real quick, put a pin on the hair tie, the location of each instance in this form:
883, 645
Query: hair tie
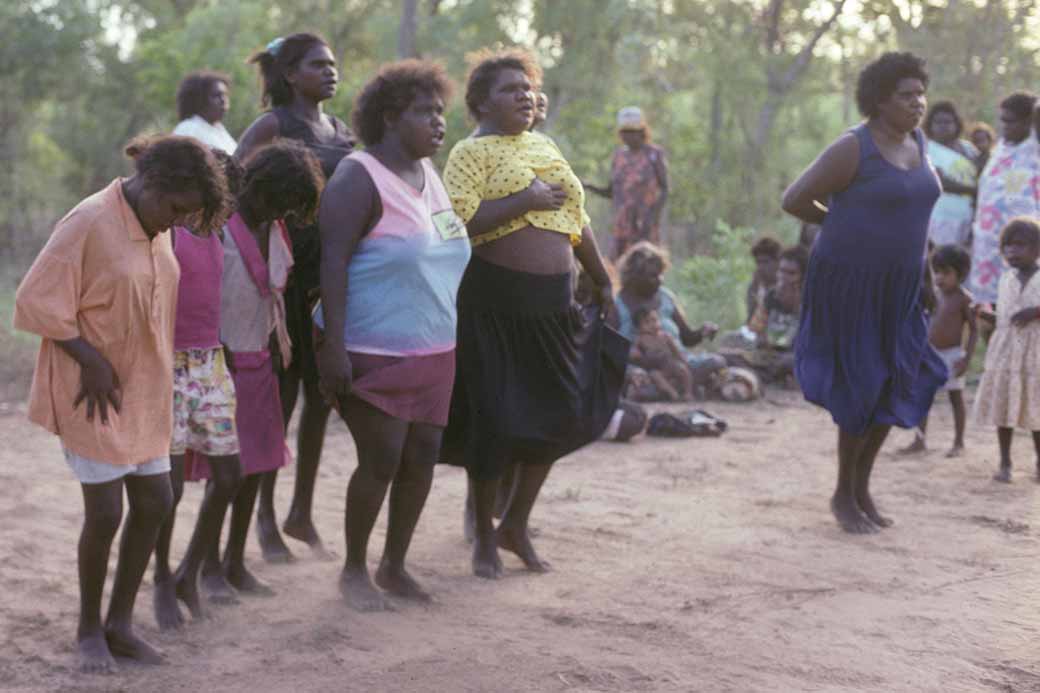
274, 46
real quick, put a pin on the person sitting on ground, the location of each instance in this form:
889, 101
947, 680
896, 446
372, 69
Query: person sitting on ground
766, 253
775, 322
953, 311
641, 270
657, 353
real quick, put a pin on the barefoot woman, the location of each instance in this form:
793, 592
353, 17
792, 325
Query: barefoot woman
393, 254
862, 350
299, 74
530, 386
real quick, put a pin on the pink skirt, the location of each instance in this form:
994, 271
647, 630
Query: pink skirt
258, 417
416, 389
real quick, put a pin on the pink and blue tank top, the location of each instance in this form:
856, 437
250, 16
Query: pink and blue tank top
201, 259
404, 274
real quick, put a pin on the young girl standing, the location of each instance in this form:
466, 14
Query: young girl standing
1009, 394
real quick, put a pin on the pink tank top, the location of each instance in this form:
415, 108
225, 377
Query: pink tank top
198, 295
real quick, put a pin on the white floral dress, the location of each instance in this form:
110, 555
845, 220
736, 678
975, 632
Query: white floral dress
1009, 394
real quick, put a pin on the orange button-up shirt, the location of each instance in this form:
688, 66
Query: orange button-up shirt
101, 278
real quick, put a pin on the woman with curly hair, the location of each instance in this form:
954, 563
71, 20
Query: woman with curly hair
862, 349
393, 254
954, 160
102, 294
533, 382
202, 102
299, 74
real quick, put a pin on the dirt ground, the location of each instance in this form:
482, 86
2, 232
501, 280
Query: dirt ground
690, 565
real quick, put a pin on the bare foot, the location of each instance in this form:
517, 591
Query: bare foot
914, 448
164, 600
245, 582
486, 562
217, 589
123, 643
358, 591
94, 655
955, 451
398, 582
519, 542
469, 520
866, 504
849, 516
188, 592
304, 531
1003, 474
271, 543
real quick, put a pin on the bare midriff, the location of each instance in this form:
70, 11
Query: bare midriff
530, 249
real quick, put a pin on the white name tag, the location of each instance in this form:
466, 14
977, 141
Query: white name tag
449, 226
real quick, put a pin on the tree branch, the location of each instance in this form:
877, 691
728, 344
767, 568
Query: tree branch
801, 61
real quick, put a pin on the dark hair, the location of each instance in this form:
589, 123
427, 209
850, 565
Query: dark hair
391, 91
1020, 103
287, 177
952, 257
193, 92
232, 169
282, 55
768, 246
1026, 227
642, 314
943, 107
879, 80
486, 64
798, 255
173, 164
639, 254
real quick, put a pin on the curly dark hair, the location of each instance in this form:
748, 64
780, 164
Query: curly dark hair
943, 107
952, 257
193, 91
393, 88
232, 170
1025, 228
768, 246
286, 178
275, 89
1020, 103
798, 255
637, 255
173, 164
878, 80
485, 66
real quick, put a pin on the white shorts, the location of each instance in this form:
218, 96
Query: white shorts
950, 357
91, 472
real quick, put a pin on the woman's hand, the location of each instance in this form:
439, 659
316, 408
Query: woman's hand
99, 386
545, 197
335, 371
709, 330
1025, 316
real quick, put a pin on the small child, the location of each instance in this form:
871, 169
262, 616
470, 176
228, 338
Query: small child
1009, 394
952, 311
775, 322
656, 352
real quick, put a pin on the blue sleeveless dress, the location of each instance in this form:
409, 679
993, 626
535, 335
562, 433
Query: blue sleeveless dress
862, 350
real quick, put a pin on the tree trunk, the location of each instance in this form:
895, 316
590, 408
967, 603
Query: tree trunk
407, 29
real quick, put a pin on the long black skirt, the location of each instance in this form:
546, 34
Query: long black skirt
536, 376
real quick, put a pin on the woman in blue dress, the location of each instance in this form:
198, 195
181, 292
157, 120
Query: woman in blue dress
862, 350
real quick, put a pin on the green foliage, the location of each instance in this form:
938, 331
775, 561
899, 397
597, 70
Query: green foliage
712, 287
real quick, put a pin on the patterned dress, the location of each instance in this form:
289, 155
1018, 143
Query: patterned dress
637, 181
1009, 187
1009, 393
953, 214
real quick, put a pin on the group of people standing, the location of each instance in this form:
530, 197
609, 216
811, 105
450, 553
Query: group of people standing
436, 318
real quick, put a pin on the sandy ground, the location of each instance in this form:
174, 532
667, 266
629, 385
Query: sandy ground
693, 565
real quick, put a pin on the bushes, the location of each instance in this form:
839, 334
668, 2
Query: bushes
712, 287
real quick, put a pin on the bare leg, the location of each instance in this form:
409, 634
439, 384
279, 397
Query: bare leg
469, 518
875, 438
211, 578
505, 490
919, 439
843, 503
1036, 449
513, 532
380, 443
226, 473
959, 419
234, 557
164, 598
1004, 436
150, 500
272, 546
408, 495
663, 386
486, 563
313, 419
103, 509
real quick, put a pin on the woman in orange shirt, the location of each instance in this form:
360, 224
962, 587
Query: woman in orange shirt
101, 293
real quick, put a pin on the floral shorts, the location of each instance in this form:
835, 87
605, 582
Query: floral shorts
203, 404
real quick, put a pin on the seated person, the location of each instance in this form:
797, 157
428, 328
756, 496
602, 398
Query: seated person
656, 352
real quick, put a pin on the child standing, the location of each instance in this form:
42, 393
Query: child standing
656, 352
102, 294
1009, 394
953, 310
